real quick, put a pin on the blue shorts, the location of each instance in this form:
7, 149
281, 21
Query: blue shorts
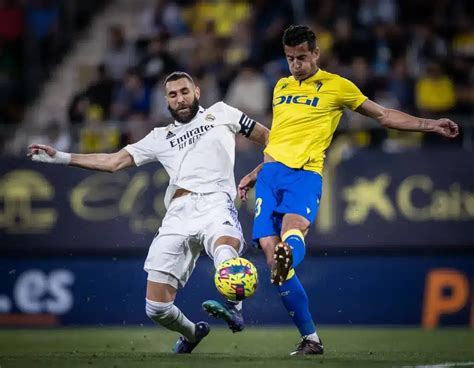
280, 190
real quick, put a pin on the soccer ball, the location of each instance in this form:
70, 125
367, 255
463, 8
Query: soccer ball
236, 279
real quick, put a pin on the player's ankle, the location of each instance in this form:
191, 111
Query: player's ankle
313, 337
235, 304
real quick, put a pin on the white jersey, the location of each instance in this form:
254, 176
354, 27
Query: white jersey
198, 156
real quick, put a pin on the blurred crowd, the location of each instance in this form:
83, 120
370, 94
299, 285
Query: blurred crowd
413, 55
34, 34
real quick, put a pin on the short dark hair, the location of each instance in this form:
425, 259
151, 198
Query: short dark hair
178, 75
297, 34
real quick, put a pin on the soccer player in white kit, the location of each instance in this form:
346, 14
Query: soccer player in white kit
198, 153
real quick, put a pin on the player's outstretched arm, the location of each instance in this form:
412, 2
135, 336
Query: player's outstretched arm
248, 182
259, 135
395, 119
109, 162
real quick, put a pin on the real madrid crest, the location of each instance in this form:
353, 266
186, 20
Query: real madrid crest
210, 117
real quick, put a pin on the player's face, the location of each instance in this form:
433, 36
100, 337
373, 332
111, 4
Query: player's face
183, 99
302, 61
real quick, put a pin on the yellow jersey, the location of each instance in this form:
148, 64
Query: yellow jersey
306, 114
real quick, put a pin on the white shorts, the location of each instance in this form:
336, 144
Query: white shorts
192, 223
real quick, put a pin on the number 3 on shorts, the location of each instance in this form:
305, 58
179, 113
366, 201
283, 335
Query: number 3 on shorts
258, 206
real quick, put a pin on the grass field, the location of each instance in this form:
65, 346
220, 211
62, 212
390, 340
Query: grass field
253, 348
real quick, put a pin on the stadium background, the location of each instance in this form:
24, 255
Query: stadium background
394, 241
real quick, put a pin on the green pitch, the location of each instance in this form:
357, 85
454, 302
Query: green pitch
252, 348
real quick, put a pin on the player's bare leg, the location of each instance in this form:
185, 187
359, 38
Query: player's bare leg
279, 262
268, 244
225, 248
293, 221
160, 309
160, 292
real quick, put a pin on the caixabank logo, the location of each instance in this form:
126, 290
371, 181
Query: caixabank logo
416, 198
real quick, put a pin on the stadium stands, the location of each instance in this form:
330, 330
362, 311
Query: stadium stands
397, 57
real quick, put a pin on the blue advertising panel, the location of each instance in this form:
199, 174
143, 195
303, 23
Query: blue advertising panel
391, 290
416, 198
372, 199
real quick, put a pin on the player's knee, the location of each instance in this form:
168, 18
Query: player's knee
295, 222
300, 226
158, 312
227, 241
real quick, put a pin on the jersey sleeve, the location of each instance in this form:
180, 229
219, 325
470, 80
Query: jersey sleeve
350, 95
239, 122
145, 150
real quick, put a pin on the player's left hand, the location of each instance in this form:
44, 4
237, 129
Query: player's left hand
246, 183
445, 127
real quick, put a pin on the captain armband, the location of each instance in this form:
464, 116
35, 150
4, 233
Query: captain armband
246, 125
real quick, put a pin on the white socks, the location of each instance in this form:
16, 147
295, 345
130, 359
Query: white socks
170, 316
314, 337
222, 253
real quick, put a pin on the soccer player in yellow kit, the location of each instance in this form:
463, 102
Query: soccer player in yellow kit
307, 107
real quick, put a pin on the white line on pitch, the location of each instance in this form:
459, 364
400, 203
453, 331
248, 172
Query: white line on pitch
442, 365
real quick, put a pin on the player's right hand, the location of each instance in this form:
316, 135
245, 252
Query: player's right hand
35, 151
246, 183
43, 153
